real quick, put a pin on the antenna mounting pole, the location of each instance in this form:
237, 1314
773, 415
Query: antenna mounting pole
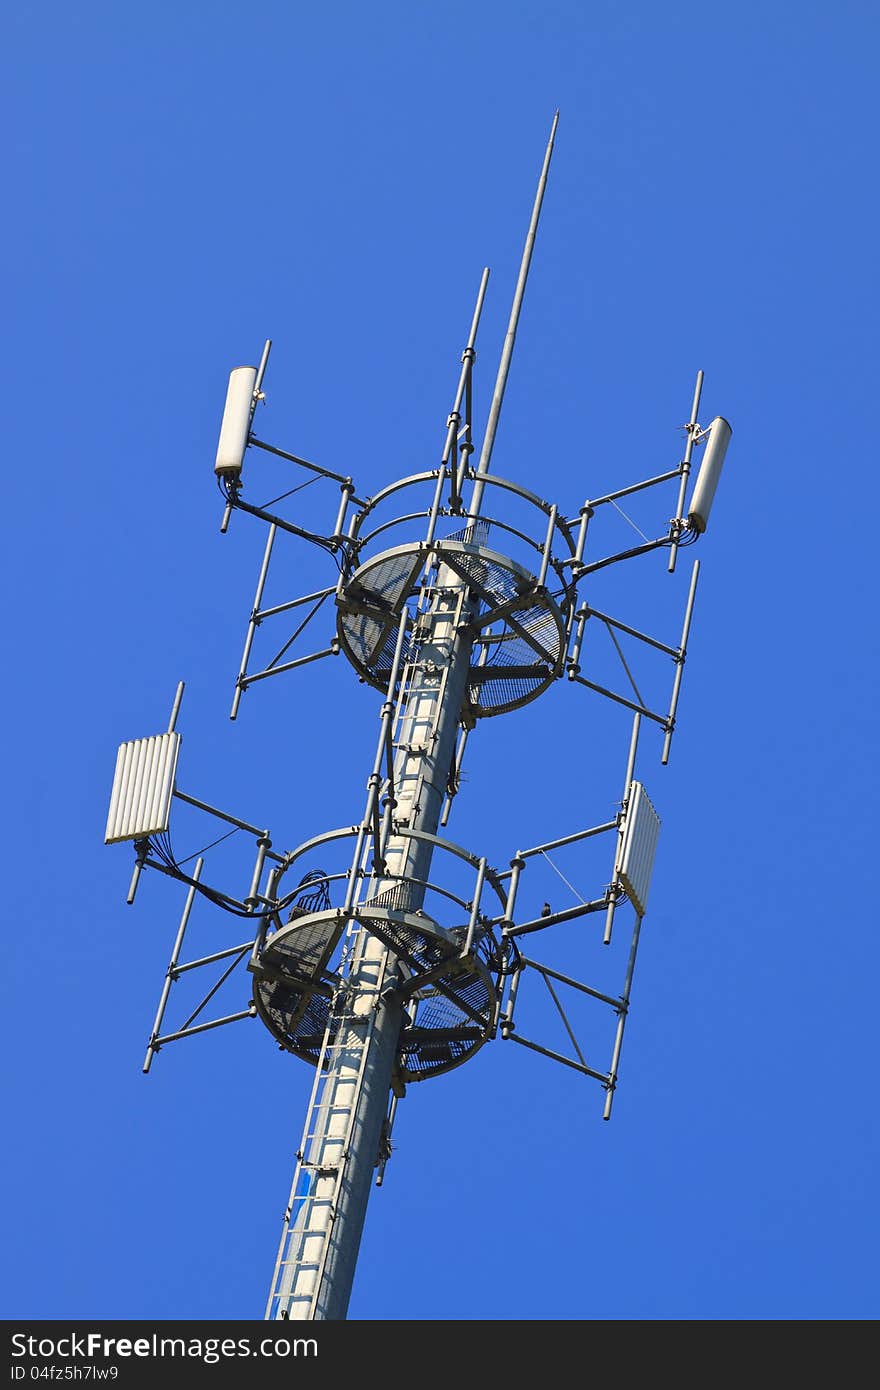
510, 337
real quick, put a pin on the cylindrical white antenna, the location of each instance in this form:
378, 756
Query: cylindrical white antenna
710, 471
236, 425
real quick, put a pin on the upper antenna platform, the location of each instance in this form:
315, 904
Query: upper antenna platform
518, 628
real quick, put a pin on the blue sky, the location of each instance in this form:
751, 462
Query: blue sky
183, 183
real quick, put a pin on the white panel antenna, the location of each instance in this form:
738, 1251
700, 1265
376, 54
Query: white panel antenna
237, 415
719, 433
639, 847
143, 784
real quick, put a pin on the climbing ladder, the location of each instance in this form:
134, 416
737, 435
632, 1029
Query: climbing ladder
307, 1234
307, 1239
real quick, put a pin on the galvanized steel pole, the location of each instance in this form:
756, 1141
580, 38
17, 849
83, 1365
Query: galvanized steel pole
434, 689
510, 337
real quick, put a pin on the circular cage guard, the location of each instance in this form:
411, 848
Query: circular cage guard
447, 1019
515, 657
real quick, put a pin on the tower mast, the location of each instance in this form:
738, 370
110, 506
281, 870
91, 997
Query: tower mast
402, 956
343, 1133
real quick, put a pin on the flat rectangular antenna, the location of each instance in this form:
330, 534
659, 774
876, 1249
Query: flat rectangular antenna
639, 847
143, 784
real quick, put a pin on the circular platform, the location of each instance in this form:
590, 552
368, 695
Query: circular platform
450, 1000
293, 988
516, 654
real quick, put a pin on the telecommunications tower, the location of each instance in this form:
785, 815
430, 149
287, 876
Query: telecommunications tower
383, 953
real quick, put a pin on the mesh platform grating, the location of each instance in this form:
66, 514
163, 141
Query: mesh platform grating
453, 1013
280, 1002
377, 597
288, 984
507, 668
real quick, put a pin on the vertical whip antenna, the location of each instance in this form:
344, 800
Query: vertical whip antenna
510, 337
